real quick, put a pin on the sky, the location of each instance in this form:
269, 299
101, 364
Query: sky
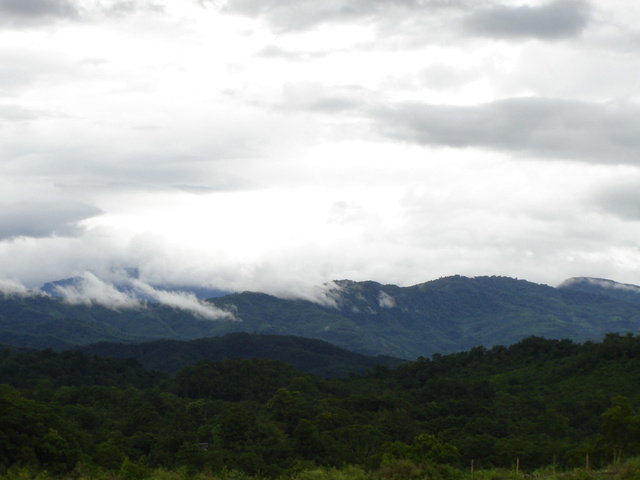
276, 145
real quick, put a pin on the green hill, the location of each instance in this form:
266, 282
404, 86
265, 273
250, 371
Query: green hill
545, 404
307, 355
442, 316
447, 315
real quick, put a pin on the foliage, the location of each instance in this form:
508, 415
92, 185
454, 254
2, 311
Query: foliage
539, 403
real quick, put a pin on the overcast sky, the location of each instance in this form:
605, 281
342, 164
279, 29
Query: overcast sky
279, 144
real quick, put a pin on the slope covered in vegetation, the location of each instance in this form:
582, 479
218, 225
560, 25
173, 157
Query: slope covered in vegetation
306, 354
447, 315
536, 403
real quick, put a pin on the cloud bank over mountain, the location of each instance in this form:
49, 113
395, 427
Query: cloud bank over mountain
132, 294
278, 145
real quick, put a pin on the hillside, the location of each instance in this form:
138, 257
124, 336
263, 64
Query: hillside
39, 321
307, 355
447, 315
601, 286
543, 403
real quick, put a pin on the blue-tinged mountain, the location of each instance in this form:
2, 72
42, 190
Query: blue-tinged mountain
601, 286
447, 315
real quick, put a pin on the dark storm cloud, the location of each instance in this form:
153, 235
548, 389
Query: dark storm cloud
41, 218
30, 13
594, 132
34, 12
563, 18
38, 8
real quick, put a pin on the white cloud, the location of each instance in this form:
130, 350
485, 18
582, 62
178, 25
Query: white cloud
15, 288
91, 290
184, 301
385, 300
602, 282
280, 145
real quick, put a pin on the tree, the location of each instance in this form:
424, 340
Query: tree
429, 448
619, 425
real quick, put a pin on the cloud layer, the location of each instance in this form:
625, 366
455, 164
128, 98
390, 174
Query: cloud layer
34, 12
539, 127
550, 21
555, 20
278, 145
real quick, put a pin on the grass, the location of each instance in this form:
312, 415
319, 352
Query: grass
401, 470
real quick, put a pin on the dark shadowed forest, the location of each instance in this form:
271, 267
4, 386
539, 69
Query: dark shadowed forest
535, 405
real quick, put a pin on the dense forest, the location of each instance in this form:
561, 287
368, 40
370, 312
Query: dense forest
536, 404
306, 354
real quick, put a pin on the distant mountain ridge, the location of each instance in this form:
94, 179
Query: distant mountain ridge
446, 315
602, 286
308, 355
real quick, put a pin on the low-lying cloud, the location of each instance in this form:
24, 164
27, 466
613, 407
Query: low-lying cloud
183, 301
88, 289
14, 288
385, 300
601, 282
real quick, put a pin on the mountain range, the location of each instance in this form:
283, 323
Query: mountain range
446, 315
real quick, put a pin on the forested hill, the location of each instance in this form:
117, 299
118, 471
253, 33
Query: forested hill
308, 355
545, 403
602, 286
447, 315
